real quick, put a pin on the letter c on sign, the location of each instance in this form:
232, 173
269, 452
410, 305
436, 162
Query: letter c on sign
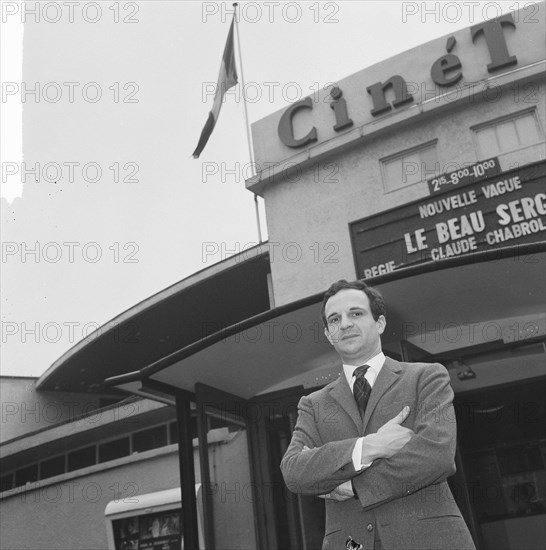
286, 128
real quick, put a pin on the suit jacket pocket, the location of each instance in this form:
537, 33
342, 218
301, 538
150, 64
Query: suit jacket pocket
332, 541
433, 517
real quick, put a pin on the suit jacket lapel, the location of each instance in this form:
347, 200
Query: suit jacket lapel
342, 393
385, 379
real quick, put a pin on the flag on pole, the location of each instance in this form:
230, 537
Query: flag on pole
226, 80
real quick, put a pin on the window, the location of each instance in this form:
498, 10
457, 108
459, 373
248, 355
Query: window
150, 439
157, 530
52, 467
143, 440
6, 482
82, 458
114, 449
507, 134
27, 474
516, 473
409, 167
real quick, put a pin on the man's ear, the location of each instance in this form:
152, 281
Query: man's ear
381, 324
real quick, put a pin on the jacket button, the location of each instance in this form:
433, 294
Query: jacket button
369, 527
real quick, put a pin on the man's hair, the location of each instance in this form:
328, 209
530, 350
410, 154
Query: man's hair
377, 303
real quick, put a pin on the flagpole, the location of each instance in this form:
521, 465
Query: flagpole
248, 136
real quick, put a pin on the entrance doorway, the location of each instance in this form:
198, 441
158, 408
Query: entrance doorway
500, 484
502, 437
229, 493
299, 519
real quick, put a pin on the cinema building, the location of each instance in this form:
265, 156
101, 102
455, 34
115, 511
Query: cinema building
424, 175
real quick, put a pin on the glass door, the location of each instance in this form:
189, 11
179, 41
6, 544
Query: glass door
293, 522
503, 439
228, 489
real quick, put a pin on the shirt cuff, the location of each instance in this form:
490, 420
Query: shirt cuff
357, 456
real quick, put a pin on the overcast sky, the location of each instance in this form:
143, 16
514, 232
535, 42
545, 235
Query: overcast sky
131, 212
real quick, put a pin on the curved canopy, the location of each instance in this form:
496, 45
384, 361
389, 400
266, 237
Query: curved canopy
473, 303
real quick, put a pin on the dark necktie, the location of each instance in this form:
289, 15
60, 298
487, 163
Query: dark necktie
361, 388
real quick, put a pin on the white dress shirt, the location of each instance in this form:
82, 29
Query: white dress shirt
375, 364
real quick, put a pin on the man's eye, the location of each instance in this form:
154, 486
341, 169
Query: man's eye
334, 320
357, 314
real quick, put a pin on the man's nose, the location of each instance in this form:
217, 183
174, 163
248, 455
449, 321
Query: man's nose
346, 321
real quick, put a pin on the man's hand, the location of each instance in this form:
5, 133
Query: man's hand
340, 493
388, 440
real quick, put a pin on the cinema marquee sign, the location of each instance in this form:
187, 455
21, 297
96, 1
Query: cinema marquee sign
499, 210
445, 72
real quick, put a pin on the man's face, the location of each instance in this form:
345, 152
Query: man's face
352, 329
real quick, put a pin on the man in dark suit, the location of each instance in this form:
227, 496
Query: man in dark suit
384, 483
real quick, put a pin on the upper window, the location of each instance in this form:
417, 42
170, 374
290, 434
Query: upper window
409, 167
151, 438
52, 467
507, 134
114, 449
28, 474
82, 458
